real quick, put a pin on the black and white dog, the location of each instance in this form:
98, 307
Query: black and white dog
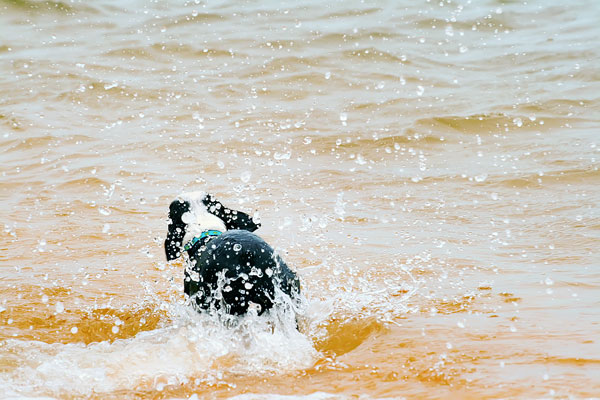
228, 267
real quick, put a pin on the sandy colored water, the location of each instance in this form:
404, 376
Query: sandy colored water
430, 170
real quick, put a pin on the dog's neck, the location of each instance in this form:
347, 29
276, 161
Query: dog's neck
198, 219
199, 241
202, 221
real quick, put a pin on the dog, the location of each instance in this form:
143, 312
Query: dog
228, 267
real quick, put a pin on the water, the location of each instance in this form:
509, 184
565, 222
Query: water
430, 169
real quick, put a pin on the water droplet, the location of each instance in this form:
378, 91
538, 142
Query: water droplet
115, 329
104, 211
323, 223
245, 176
480, 178
282, 156
41, 246
237, 247
59, 307
340, 204
74, 330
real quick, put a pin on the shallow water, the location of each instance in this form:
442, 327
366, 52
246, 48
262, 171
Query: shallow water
430, 169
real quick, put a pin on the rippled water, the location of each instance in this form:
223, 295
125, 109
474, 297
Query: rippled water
430, 169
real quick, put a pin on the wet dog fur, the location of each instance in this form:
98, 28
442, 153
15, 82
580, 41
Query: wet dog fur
235, 270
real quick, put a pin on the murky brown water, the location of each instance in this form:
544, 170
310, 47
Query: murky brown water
430, 169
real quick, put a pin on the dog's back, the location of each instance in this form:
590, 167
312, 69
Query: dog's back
237, 271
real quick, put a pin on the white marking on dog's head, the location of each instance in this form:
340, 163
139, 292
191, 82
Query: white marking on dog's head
198, 219
192, 213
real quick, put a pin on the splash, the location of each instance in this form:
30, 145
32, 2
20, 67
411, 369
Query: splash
194, 349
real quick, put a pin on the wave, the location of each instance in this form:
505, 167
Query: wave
562, 176
312, 396
489, 23
152, 346
289, 64
351, 13
572, 361
345, 335
373, 54
562, 107
12, 122
39, 6
333, 38
369, 145
164, 52
491, 123
87, 182
192, 17
43, 142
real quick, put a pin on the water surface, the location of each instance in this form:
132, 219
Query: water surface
430, 169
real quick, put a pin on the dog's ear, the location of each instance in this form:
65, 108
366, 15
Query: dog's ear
233, 219
176, 229
173, 241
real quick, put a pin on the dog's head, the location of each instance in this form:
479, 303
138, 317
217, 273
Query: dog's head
192, 213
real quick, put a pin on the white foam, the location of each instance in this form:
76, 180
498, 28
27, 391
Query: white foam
194, 348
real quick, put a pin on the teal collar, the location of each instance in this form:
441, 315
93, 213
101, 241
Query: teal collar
203, 235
